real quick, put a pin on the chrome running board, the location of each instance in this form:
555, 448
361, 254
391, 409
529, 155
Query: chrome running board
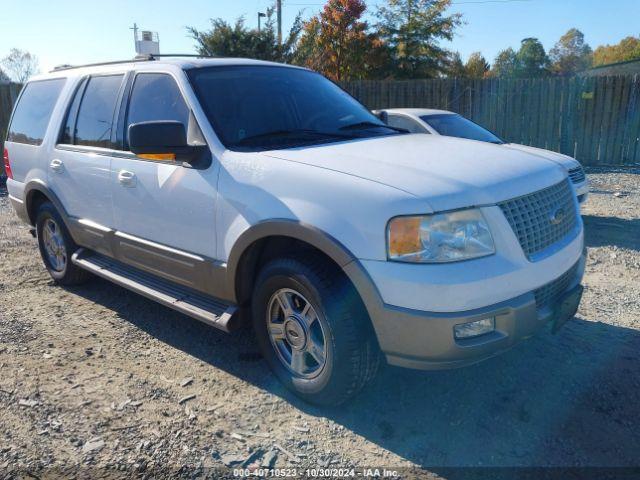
202, 307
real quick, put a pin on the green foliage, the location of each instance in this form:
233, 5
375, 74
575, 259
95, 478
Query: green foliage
337, 43
627, 49
505, 63
455, 67
532, 60
476, 66
226, 40
570, 54
412, 29
404, 44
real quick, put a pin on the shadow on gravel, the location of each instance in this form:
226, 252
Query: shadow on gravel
620, 232
570, 399
553, 400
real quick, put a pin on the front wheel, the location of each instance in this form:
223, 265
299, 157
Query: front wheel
313, 329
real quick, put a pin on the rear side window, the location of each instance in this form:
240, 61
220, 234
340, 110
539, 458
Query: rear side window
33, 112
156, 96
70, 123
453, 125
406, 123
95, 117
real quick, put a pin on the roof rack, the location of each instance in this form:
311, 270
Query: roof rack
138, 58
153, 56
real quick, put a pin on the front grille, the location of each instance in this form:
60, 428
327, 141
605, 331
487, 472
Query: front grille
577, 175
549, 294
542, 218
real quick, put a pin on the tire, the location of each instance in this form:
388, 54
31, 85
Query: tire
57, 238
351, 354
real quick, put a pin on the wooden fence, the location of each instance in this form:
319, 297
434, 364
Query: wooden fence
8, 95
594, 119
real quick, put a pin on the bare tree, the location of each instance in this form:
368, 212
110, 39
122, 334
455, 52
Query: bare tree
3, 77
20, 65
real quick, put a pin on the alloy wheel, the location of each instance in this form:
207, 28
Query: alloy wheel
297, 333
53, 242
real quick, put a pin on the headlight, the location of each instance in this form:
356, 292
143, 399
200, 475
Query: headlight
442, 237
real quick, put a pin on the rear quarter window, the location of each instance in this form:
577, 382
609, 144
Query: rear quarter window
33, 111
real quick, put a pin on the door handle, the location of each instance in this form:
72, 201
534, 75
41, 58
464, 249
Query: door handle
56, 165
126, 178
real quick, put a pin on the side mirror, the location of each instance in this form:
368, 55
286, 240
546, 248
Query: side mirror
164, 140
383, 116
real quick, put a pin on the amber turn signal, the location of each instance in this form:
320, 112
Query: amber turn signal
163, 157
404, 236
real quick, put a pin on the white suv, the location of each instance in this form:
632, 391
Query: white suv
221, 187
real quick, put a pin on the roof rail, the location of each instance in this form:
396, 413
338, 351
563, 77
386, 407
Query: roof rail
154, 56
138, 58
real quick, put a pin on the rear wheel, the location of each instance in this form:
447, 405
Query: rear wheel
313, 329
56, 247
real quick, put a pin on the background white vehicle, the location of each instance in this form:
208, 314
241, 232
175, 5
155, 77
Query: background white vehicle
446, 123
231, 189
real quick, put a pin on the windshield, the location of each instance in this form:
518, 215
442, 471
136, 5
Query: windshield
264, 107
452, 125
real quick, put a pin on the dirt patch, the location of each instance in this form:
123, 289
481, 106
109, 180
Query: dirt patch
96, 377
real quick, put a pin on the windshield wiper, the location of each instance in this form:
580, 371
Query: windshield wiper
366, 124
289, 133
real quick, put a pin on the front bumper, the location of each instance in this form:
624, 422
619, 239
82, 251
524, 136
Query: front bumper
582, 191
425, 340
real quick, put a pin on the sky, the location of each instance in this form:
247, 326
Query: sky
85, 31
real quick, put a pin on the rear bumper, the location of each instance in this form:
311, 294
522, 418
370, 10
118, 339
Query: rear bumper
16, 198
425, 340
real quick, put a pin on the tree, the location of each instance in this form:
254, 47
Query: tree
337, 43
532, 60
3, 77
455, 67
570, 54
20, 64
412, 29
476, 66
627, 49
226, 40
505, 63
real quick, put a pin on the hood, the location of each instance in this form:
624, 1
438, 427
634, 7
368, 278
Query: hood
559, 158
446, 172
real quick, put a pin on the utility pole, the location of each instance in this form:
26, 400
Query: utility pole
260, 15
279, 13
135, 36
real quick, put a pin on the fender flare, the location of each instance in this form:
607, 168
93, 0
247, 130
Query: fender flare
34, 186
283, 227
317, 238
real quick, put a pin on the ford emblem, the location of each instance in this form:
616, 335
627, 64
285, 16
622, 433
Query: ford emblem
557, 216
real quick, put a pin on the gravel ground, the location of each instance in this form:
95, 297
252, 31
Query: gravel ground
96, 377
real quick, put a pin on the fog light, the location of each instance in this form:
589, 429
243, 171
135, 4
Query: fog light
473, 329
